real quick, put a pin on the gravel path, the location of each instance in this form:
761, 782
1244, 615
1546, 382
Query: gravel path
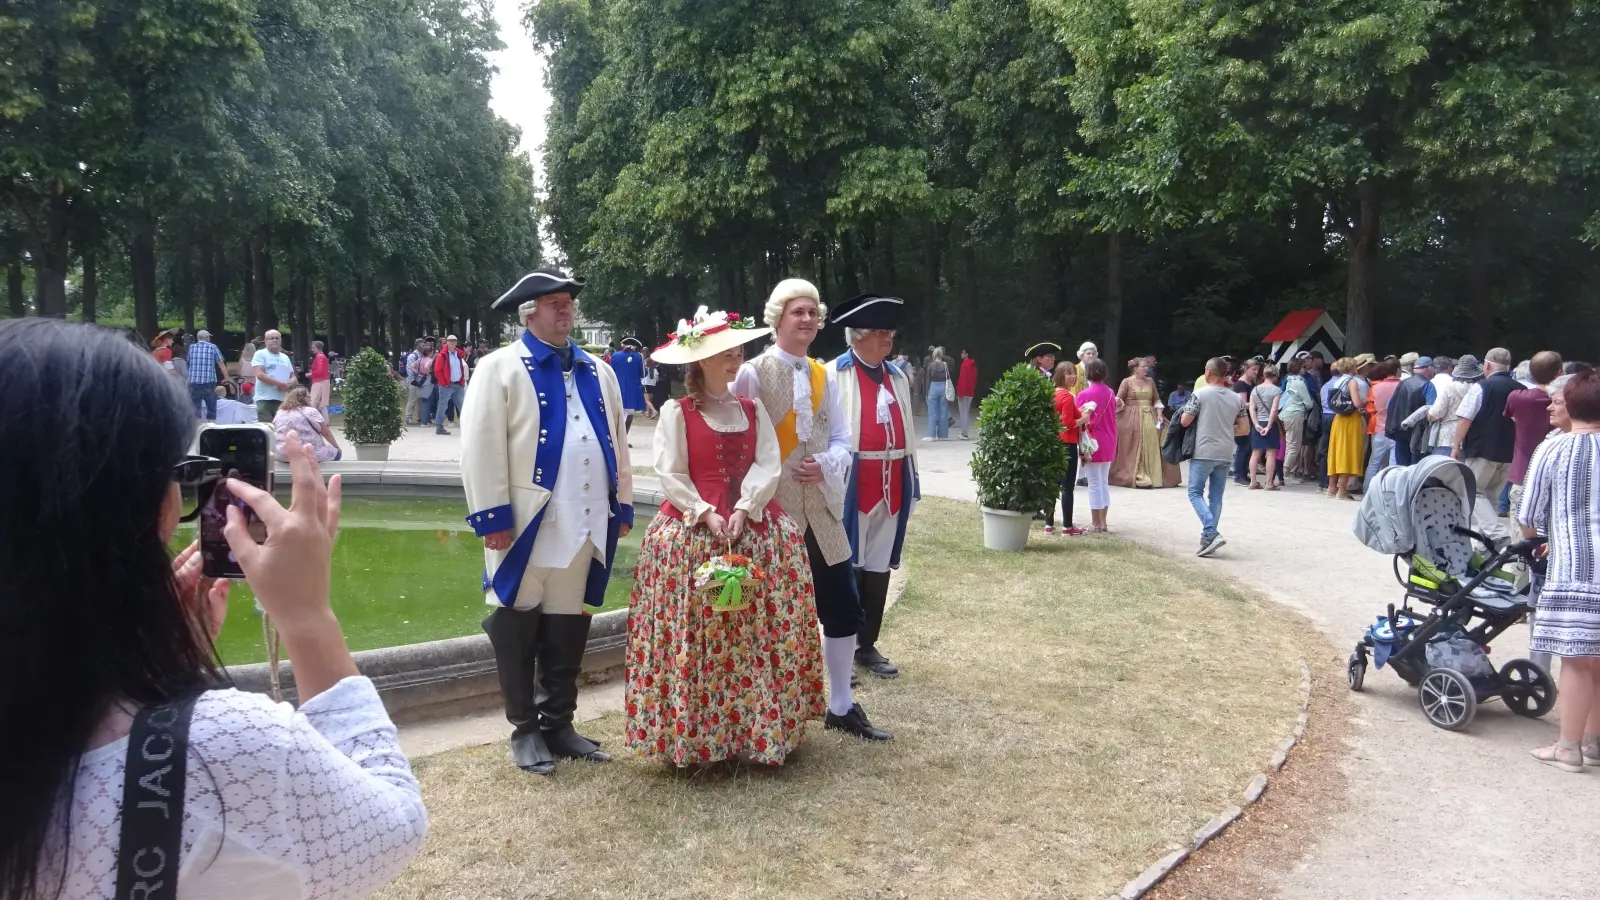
1432, 814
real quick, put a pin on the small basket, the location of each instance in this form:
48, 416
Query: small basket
727, 581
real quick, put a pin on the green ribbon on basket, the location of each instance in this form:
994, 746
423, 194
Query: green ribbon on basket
732, 594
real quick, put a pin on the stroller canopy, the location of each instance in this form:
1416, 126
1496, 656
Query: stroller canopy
1387, 519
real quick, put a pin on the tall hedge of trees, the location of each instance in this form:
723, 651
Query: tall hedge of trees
328, 168
1161, 176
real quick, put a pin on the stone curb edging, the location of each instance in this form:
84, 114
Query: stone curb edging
1220, 822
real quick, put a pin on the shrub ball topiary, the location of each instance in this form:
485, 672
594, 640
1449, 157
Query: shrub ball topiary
373, 400
1020, 459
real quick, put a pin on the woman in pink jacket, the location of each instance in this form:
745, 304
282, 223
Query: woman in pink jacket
1100, 425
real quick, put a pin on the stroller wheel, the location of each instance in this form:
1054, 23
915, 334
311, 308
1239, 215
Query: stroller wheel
1356, 672
1527, 689
1447, 698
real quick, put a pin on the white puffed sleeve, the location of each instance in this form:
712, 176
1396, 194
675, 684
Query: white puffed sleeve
761, 481
672, 464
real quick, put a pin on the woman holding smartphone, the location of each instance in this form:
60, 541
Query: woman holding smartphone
94, 634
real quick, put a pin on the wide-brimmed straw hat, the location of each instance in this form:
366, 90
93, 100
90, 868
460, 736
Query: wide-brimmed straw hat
708, 334
171, 334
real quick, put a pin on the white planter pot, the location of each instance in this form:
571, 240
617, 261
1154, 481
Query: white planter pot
372, 452
1005, 530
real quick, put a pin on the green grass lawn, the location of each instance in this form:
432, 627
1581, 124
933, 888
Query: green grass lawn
404, 571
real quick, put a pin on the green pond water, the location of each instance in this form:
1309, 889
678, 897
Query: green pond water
404, 571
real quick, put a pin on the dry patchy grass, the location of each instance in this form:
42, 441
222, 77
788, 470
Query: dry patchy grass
1065, 716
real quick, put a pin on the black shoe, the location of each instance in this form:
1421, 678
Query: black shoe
565, 743
870, 659
531, 754
855, 679
855, 722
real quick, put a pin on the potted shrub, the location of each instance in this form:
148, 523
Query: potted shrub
373, 402
1020, 459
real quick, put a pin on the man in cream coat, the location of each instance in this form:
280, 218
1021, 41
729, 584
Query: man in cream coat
814, 442
875, 399
544, 462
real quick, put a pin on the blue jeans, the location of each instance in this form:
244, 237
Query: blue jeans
443, 396
938, 411
1209, 509
1382, 457
204, 398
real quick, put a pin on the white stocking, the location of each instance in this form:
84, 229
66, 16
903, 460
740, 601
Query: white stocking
838, 655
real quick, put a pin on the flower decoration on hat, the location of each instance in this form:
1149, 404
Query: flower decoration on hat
691, 334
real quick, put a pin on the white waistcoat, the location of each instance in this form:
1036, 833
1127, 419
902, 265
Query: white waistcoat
576, 516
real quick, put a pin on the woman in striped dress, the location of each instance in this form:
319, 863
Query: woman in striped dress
1561, 500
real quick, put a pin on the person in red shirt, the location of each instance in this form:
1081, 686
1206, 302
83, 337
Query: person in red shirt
161, 349
966, 389
1530, 410
321, 383
1067, 410
450, 377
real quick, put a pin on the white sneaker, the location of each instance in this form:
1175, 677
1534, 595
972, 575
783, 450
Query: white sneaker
1212, 546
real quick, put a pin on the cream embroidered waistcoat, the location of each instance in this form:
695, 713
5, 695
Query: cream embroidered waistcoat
804, 503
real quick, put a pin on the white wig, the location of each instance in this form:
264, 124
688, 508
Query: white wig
1087, 345
791, 289
527, 309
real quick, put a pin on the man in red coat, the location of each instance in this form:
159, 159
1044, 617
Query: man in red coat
450, 374
966, 389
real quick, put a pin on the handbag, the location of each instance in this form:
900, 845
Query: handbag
153, 782
949, 390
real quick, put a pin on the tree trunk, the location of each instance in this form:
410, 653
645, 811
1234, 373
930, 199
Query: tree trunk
142, 262
16, 304
333, 318
891, 270
247, 292
932, 254
305, 316
1039, 271
969, 292
183, 283
51, 273
1111, 344
848, 277
353, 330
1480, 288
91, 285
214, 287
1360, 290
395, 328
265, 284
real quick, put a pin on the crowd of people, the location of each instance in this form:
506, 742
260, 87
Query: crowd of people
761, 586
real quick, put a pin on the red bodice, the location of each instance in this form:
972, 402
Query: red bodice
718, 461
880, 478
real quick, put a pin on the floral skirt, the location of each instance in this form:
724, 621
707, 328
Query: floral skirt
703, 685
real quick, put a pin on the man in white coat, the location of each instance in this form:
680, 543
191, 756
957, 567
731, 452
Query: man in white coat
875, 399
814, 443
550, 489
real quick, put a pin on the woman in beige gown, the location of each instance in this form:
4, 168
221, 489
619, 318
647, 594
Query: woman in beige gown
1140, 418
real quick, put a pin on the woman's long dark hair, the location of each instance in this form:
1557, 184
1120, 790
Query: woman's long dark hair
90, 428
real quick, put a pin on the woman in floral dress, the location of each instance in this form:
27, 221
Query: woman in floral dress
705, 684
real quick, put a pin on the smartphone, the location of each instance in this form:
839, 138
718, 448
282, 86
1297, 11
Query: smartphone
246, 454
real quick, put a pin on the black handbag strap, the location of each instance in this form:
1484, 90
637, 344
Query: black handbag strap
152, 801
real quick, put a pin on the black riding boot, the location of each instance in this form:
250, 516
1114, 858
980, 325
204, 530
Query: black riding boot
874, 590
561, 645
514, 634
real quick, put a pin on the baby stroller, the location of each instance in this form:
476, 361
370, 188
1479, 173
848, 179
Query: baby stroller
1457, 599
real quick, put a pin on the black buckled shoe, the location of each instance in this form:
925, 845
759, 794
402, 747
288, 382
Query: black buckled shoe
870, 659
855, 722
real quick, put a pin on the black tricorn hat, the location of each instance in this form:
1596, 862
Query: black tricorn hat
869, 310
537, 284
1041, 348
631, 343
